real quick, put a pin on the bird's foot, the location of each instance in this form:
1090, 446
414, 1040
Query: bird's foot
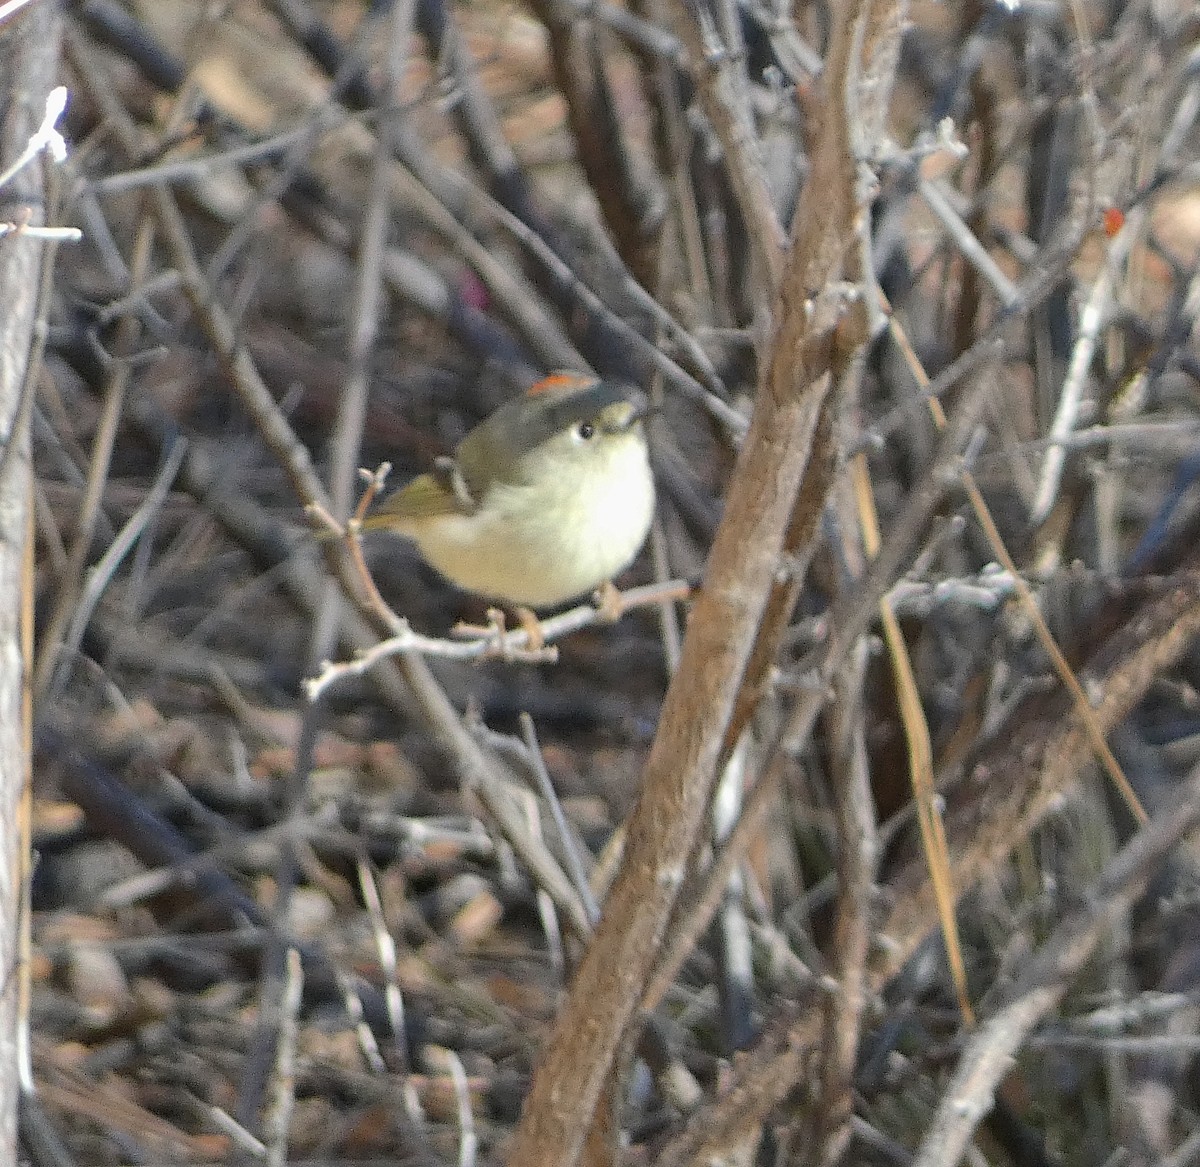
495, 631
610, 603
532, 627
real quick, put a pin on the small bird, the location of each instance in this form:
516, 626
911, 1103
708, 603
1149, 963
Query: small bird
546, 499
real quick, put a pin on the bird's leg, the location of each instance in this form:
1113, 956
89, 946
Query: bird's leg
528, 620
493, 631
610, 603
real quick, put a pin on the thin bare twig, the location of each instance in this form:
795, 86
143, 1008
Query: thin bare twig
510, 645
967, 242
283, 1103
858, 857
565, 837
717, 71
1092, 319
99, 576
72, 581
385, 945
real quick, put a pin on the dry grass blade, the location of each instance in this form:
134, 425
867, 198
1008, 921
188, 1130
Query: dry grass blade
920, 752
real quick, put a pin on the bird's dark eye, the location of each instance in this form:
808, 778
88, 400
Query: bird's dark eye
586, 430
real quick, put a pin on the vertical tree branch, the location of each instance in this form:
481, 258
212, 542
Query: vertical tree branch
28, 65
680, 773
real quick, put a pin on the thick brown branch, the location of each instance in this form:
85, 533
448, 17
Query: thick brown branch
680, 773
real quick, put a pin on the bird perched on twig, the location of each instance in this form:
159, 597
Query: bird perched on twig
548, 498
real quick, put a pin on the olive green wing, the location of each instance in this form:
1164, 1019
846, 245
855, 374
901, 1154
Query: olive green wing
429, 496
